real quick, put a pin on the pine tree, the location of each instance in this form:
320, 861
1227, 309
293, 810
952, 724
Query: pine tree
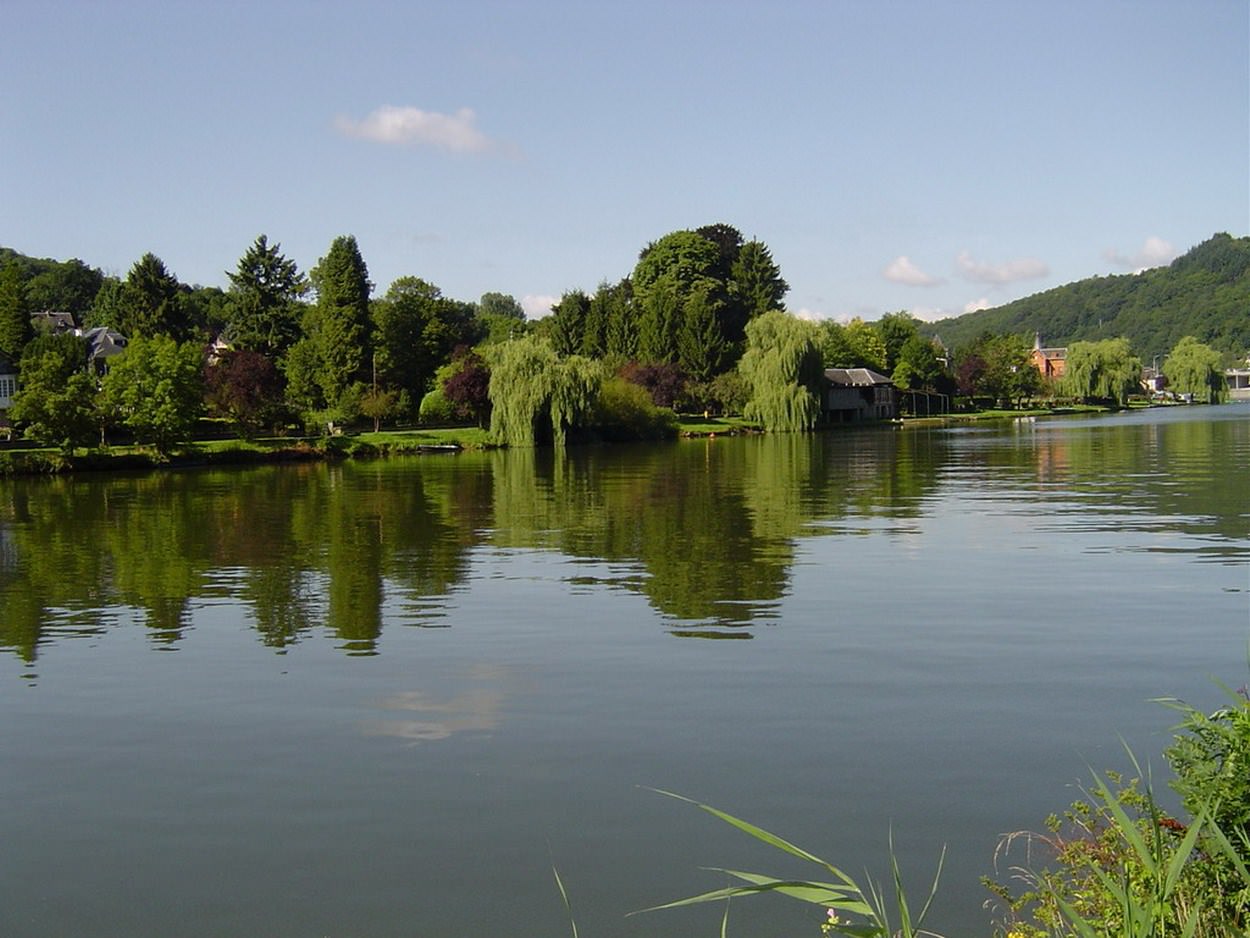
340, 326
263, 315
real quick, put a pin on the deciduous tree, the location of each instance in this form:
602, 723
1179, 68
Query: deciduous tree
1102, 371
156, 387
783, 366
56, 399
1194, 368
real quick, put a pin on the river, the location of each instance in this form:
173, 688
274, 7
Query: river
386, 698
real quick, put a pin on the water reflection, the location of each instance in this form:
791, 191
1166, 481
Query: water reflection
706, 530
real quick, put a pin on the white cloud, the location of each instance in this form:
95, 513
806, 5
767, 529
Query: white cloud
536, 307
1023, 268
810, 315
976, 305
1155, 252
409, 125
902, 270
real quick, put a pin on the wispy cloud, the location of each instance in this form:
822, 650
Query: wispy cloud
902, 270
977, 305
412, 126
1155, 252
1023, 268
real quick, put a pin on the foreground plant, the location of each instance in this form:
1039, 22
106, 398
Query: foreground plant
859, 912
1122, 867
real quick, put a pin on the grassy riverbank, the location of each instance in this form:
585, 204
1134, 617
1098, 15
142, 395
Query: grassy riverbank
18, 460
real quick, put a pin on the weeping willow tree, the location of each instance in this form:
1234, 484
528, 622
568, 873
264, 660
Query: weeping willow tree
534, 392
1194, 368
1101, 371
782, 364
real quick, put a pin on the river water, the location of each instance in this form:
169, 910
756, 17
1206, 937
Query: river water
386, 698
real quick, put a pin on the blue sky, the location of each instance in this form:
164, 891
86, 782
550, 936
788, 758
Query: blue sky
929, 155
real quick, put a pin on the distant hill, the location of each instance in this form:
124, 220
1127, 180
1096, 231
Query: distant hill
1204, 293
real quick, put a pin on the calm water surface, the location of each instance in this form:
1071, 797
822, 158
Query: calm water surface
383, 699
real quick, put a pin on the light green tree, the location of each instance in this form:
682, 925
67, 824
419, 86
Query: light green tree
783, 367
1101, 371
533, 392
156, 388
56, 401
1194, 368
867, 347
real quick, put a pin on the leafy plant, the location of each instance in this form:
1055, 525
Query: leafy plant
869, 912
1123, 867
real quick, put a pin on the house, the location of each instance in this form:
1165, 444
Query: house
102, 344
1238, 381
854, 394
8, 382
52, 322
1049, 362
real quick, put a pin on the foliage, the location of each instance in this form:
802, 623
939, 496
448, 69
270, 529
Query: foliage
377, 404
339, 324
465, 384
56, 400
917, 365
1210, 756
63, 286
850, 909
702, 347
1124, 867
695, 292
302, 369
1101, 371
997, 367
435, 408
1204, 293
262, 310
247, 388
568, 322
535, 393
150, 302
15, 328
416, 329
756, 281
156, 388
664, 382
896, 330
782, 365
500, 304
1194, 368
730, 392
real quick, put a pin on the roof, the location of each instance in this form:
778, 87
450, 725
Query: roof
855, 377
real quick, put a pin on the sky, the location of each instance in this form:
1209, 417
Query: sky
935, 156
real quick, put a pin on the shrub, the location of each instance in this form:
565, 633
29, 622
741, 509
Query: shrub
435, 408
624, 411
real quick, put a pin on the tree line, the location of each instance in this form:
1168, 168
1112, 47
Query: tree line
698, 325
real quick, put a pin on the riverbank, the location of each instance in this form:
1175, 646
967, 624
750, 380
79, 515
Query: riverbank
371, 445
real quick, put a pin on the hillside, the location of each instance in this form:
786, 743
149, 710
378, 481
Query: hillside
1204, 293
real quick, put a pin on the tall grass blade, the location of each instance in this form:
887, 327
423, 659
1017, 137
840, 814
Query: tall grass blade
564, 896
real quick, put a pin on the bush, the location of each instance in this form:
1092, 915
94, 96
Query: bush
1121, 866
435, 408
624, 411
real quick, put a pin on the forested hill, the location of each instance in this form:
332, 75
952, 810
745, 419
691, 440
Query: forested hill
1205, 293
